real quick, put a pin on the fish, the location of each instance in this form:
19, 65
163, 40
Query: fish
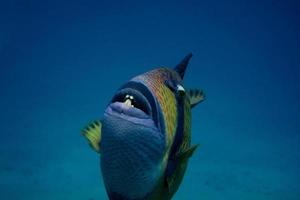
144, 136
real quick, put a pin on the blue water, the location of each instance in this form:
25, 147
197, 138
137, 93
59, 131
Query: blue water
61, 62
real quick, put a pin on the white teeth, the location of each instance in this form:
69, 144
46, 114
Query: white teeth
128, 100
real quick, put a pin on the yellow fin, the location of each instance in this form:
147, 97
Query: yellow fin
187, 153
93, 134
182, 158
196, 96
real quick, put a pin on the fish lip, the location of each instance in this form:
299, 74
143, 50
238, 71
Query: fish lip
123, 109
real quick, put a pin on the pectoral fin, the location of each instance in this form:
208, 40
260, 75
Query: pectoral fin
93, 135
196, 96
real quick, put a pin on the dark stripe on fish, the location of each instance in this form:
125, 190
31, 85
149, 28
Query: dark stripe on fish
156, 113
172, 163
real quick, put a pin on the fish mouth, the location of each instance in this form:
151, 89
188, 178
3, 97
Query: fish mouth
130, 103
135, 103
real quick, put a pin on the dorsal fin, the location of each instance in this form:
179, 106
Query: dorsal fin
181, 67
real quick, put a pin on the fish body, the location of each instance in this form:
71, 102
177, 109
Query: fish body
144, 138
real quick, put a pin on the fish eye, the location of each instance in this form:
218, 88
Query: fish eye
180, 90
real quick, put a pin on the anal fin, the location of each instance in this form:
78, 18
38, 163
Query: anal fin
181, 158
187, 153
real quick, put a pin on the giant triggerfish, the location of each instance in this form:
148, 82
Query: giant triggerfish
144, 138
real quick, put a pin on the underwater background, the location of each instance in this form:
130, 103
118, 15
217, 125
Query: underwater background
61, 62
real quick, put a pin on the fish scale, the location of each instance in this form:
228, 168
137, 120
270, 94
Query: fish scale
135, 170
155, 80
